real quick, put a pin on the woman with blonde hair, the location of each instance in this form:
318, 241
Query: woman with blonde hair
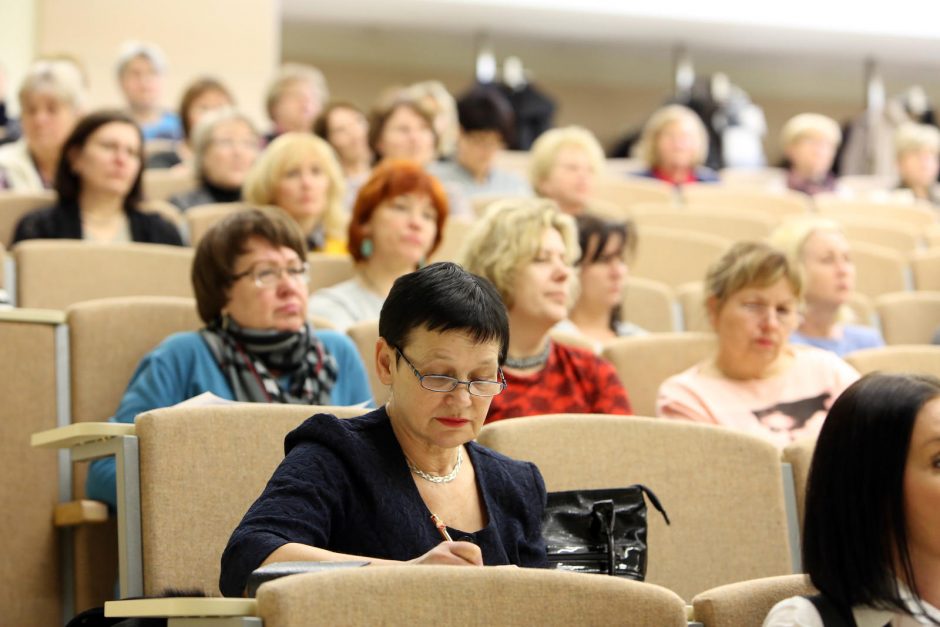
918, 150
817, 247
756, 381
526, 248
565, 163
674, 145
810, 141
298, 172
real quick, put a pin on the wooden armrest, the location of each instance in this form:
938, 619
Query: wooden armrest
82, 512
80, 433
181, 607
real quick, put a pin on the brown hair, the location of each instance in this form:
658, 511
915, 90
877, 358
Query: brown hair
381, 116
225, 242
195, 90
749, 264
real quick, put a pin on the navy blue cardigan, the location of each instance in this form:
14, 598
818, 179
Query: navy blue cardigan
344, 486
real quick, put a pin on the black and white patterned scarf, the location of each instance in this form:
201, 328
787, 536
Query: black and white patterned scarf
247, 357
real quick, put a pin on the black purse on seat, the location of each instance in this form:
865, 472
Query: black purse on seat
599, 531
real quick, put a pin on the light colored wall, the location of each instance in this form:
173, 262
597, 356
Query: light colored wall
17, 45
237, 41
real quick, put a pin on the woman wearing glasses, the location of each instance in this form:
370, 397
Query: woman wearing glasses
250, 281
756, 381
412, 464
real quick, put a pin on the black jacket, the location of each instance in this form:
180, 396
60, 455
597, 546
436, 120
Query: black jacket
64, 222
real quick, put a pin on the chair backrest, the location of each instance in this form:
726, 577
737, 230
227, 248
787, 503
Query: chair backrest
932, 235
879, 270
926, 268
649, 304
799, 455
747, 602
675, 257
509, 596
763, 179
109, 337
918, 215
452, 240
201, 218
909, 317
364, 335
54, 274
731, 224
723, 490
777, 204
29, 574
327, 269
14, 205
644, 362
3, 264
163, 183
900, 358
863, 308
624, 192
899, 237
200, 470
691, 299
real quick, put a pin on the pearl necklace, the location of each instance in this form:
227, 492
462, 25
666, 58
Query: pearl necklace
438, 478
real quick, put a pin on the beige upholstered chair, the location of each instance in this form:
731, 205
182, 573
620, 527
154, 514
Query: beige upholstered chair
327, 269
364, 335
675, 257
879, 270
897, 236
29, 375
572, 339
932, 235
799, 455
778, 205
760, 179
649, 304
643, 363
14, 205
691, 298
900, 358
200, 219
3, 265
747, 602
909, 317
452, 240
919, 216
863, 309
163, 183
723, 490
730, 224
926, 268
56, 274
431, 595
624, 192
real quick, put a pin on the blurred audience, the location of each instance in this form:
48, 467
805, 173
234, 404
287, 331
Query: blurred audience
918, 150
809, 142
9, 126
225, 145
756, 381
295, 98
346, 128
403, 129
141, 68
817, 247
98, 183
525, 247
564, 166
52, 96
201, 96
434, 98
298, 172
396, 224
674, 147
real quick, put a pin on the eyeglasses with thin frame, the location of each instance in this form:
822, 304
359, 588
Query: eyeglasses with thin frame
269, 274
444, 384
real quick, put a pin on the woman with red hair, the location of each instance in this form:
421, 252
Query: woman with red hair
396, 223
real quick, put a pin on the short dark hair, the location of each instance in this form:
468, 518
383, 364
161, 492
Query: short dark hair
194, 91
444, 297
593, 234
486, 109
214, 262
381, 115
854, 524
68, 184
321, 126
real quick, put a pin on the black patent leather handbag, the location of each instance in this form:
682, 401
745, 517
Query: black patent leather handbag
599, 531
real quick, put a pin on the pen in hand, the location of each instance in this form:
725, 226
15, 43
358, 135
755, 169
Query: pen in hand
441, 527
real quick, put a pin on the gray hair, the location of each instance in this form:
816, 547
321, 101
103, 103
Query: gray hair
202, 134
131, 50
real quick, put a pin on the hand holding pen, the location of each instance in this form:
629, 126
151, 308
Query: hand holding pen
457, 553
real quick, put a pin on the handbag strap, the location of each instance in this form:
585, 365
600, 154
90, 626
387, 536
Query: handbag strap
655, 501
831, 614
603, 512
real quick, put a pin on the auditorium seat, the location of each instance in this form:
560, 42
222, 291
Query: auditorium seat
649, 304
900, 358
778, 205
327, 269
747, 602
880, 270
625, 192
758, 179
14, 205
163, 183
730, 224
723, 490
364, 335
897, 236
918, 216
452, 240
675, 257
200, 218
925, 266
799, 455
909, 317
932, 235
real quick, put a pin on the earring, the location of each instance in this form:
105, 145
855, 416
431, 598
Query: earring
366, 248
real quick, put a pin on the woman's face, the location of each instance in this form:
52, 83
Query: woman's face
348, 131
828, 267
207, 101
281, 306
407, 135
297, 107
110, 160
231, 151
811, 155
142, 83
570, 181
438, 419
303, 189
919, 168
677, 145
922, 486
47, 122
541, 289
753, 325
603, 279
403, 229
